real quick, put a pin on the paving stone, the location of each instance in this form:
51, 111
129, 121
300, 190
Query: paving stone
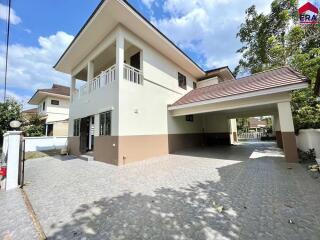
15, 222
171, 197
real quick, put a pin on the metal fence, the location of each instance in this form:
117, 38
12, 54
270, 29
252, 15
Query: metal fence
250, 135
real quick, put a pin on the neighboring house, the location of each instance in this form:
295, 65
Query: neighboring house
141, 96
29, 113
257, 124
53, 108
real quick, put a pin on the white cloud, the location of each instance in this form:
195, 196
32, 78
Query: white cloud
14, 19
148, 3
31, 68
23, 99
207, 27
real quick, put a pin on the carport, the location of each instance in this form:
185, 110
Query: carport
266, 93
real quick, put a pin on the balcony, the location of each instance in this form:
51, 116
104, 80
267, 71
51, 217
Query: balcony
101, 70
108, 76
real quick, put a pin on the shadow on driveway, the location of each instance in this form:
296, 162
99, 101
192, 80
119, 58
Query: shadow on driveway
181, 197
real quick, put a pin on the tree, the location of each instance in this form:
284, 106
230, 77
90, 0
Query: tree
275, 40
9, 110
34, 126
242, 124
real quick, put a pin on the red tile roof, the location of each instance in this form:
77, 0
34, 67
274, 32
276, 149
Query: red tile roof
57, 89
30, 111
280, 77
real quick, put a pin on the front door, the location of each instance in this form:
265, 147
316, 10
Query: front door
135, 60
91, 134
84, 134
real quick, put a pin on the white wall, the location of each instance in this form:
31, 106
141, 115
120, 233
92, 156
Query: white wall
308, 139
138, 109
57, 112
54, 112
143, 108
44, 143
102, 100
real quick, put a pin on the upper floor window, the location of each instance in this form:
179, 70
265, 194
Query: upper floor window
189, 118
44, 106
76, 127
194, 85
55, 102
182, 81
105, 123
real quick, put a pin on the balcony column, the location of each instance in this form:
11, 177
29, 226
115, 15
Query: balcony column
90, 73
119, 56
73, 87
287, 132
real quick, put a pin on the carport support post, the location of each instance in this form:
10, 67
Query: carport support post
287, 132
277, 129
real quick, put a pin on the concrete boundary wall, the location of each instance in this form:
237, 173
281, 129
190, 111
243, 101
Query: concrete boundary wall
308, 139
45, 143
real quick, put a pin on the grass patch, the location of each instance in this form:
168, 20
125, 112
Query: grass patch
37, 154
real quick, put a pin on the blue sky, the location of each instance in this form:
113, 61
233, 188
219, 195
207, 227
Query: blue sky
42, 29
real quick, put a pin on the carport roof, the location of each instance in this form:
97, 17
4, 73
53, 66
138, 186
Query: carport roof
280, 78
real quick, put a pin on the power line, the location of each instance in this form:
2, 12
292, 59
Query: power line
7, 53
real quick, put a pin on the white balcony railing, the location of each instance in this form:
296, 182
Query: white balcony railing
106, 77
103, 79
132, 74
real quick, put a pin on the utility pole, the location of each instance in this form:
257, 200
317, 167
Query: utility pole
7, 54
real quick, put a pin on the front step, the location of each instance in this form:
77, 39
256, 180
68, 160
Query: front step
86, 157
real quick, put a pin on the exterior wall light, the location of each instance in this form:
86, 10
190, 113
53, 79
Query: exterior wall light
15, 124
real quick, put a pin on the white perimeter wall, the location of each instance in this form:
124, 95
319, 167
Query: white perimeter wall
309, 139
44, 143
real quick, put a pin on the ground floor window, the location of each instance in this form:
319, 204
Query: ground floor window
76, 127
105, 123
49, 129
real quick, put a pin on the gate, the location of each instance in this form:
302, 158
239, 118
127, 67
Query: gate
21, 162
250, 136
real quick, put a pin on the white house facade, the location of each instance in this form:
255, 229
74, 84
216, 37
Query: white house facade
135, 95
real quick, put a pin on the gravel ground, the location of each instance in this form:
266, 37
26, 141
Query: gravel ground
238, 192
15, 221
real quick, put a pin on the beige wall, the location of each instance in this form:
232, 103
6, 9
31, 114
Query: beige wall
216, 123
143, 108
60, 128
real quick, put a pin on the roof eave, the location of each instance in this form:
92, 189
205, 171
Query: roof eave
274, 90
42, 94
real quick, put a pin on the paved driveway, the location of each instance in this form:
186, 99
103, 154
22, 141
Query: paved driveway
177, 196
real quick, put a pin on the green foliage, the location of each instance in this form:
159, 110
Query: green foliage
308, 156
9, 111
273, 40
34, 126
242, 125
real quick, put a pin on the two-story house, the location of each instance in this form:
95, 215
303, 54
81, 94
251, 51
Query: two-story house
136, 95
53, 108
